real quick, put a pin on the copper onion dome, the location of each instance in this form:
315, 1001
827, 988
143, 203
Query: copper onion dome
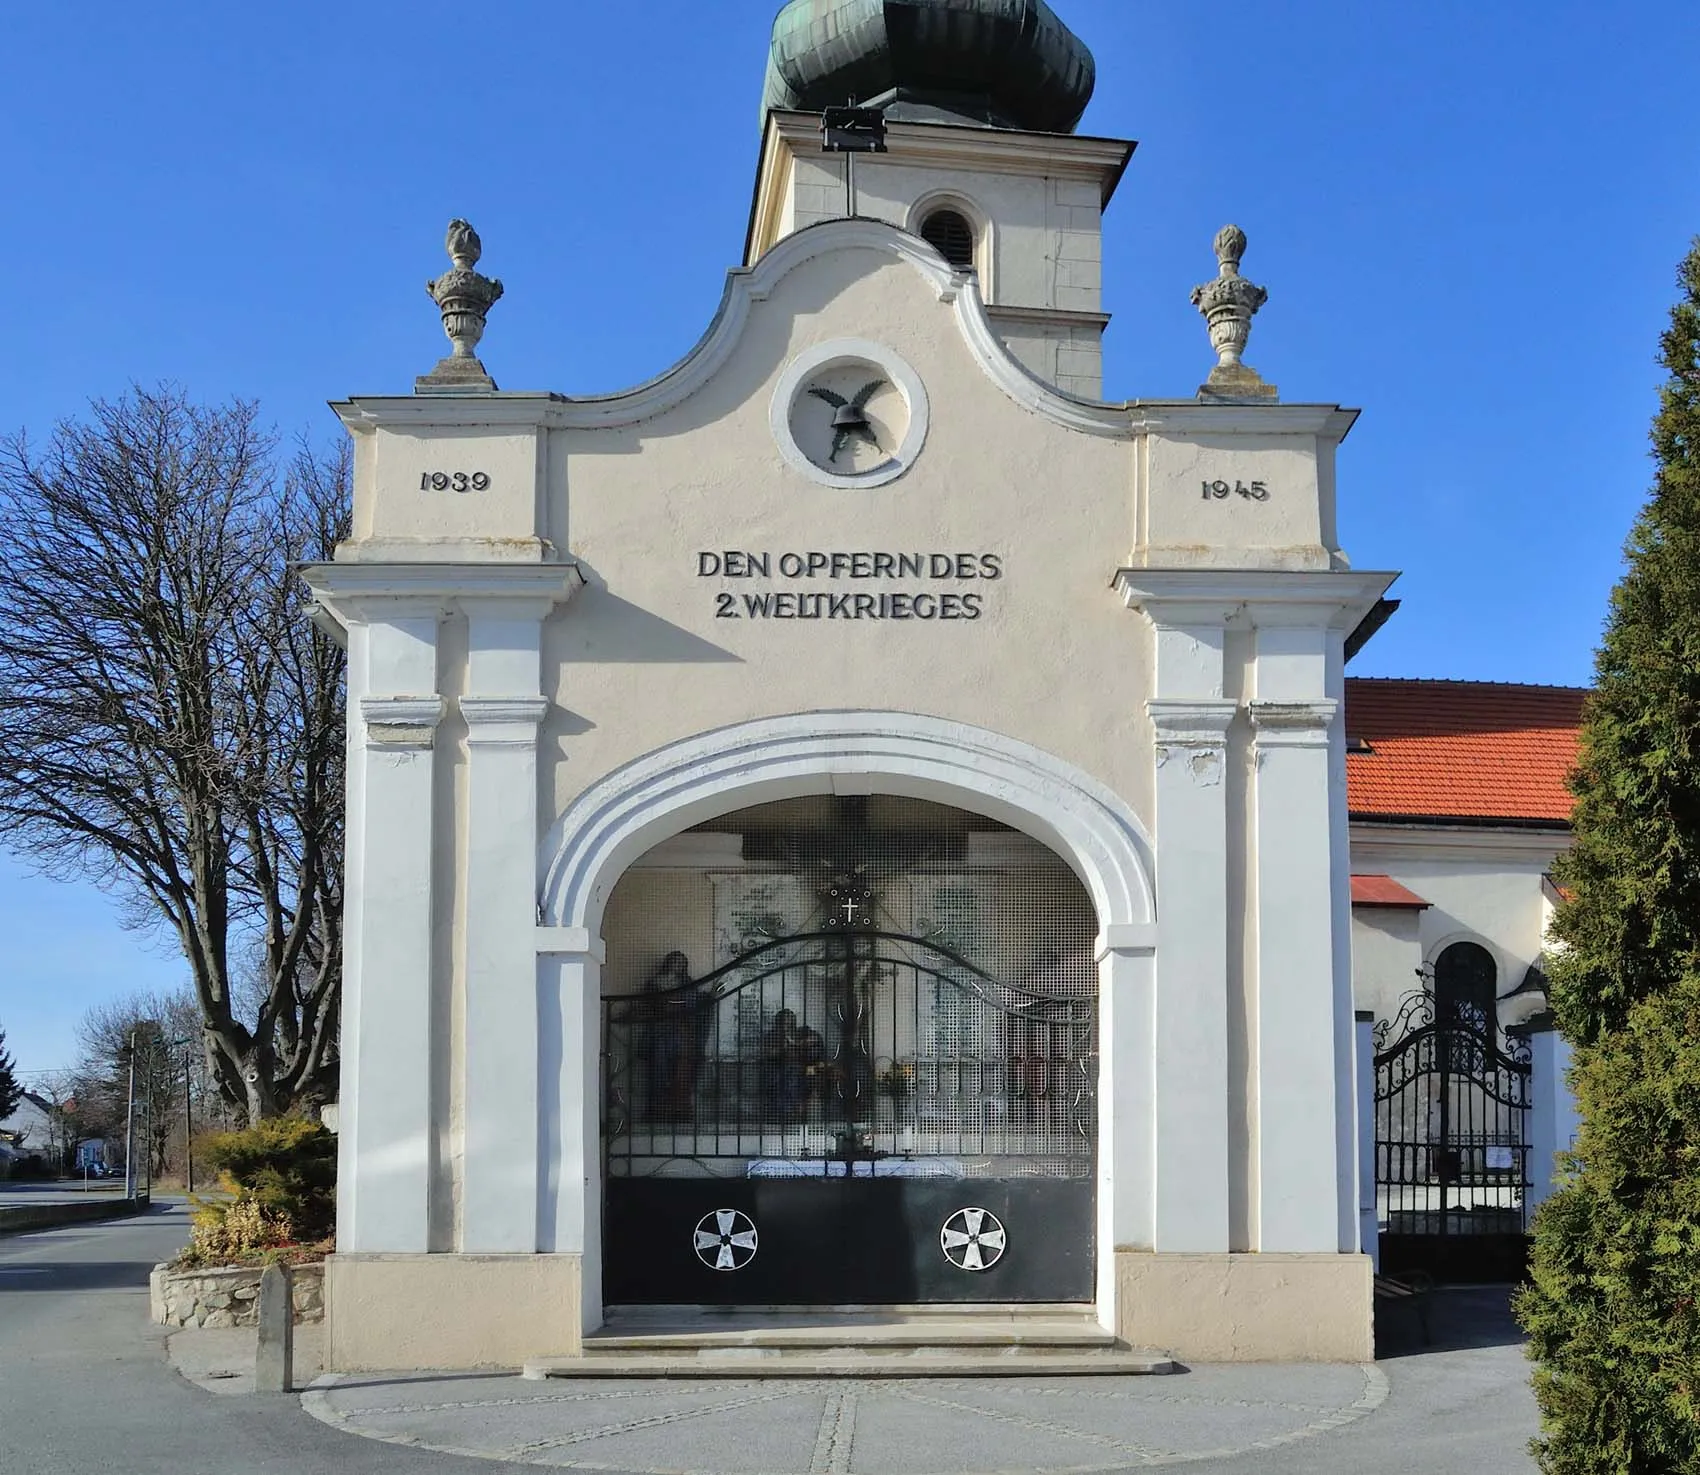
1002, 63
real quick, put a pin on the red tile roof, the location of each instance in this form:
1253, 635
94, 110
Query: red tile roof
1460, 750
1384, 891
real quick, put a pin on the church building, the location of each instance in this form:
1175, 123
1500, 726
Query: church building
857, 820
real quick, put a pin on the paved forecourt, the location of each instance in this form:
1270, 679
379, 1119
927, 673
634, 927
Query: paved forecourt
865, 1426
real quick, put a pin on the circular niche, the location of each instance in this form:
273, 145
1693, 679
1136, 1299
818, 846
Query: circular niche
849, 413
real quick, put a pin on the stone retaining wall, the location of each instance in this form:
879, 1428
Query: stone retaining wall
220, 1297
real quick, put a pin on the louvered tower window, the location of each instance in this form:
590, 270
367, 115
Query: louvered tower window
950, 234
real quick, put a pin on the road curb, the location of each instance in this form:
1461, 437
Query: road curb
53, 1216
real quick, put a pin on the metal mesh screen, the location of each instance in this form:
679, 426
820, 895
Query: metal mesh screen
870, 986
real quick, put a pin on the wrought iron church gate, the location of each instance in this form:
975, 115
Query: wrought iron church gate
1451, 1144
850, 1114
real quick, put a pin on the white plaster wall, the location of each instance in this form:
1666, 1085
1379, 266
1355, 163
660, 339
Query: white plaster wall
1387, 952
1287, 522
1046, 237
1484, 886
640, 658
1066, 355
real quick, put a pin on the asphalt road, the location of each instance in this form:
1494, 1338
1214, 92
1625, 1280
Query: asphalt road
85, 1388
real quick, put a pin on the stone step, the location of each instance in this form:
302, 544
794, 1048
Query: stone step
898, 1334
920, 1361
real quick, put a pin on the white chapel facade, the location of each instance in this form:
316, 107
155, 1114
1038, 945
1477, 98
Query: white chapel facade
857, 819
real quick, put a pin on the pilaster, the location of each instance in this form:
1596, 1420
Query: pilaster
1553, 1120
568, 963
503, 709
1191, 1008
1369, 1227
1299, 1173
391, 614
384, 1199
1127, 1049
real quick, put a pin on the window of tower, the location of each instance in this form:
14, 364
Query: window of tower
950, 234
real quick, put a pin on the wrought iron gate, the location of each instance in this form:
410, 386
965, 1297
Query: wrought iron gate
850, 1115
1451, 1143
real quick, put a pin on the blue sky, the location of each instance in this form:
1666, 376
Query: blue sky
1467, 215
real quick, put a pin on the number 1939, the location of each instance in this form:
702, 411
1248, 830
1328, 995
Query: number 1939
454, 481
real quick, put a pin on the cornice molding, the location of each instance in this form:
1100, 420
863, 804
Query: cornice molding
1054, 317
744, 288
992, 150
1191, 722
405, 723
1480, 841
1181, 418
503, 722
359, 593
1303, 724
1336, 599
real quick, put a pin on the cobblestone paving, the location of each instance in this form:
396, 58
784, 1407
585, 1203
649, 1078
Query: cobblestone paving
942, 1426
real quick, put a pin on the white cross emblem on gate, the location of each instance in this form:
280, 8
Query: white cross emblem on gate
973, 1239
725, 1240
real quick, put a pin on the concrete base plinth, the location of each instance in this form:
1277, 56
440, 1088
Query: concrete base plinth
1248, 1307
450, 1312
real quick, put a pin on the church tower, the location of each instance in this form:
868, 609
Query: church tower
981, 100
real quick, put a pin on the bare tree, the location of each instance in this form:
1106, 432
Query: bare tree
174, 1098
170, 721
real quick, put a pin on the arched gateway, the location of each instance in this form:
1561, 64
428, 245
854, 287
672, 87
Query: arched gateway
849, 1034
856, 817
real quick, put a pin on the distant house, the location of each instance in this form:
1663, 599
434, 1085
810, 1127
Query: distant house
29, 1133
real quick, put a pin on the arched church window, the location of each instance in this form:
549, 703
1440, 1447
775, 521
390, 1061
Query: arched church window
948, 232
1465, 979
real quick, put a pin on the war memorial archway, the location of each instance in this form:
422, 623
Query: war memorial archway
874, 556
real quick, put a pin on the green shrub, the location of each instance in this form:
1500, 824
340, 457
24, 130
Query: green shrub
1613, 1310
230, 1233
287, 1165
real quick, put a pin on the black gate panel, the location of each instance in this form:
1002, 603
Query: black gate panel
838, 1241
851, 1116
1451, 1144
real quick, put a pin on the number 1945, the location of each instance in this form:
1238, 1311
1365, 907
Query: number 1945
1218, 490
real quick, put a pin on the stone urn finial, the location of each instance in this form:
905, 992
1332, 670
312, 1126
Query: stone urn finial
1229, 304
464, 297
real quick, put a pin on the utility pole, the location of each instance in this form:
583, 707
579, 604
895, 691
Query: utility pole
188, 1124
130, 1126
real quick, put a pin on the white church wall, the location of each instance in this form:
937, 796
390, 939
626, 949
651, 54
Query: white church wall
1484, 886
1387, 956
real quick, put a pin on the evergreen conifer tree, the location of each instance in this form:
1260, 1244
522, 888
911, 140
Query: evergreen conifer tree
11, 1092
1613, 1313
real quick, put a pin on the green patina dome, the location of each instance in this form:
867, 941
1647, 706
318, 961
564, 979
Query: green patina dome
1007, 63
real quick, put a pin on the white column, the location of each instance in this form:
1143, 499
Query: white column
503, 709
1369, 1227
569, 995
387, 945
1553, 1120
1190, 718
1126, 1103
1299, 1169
